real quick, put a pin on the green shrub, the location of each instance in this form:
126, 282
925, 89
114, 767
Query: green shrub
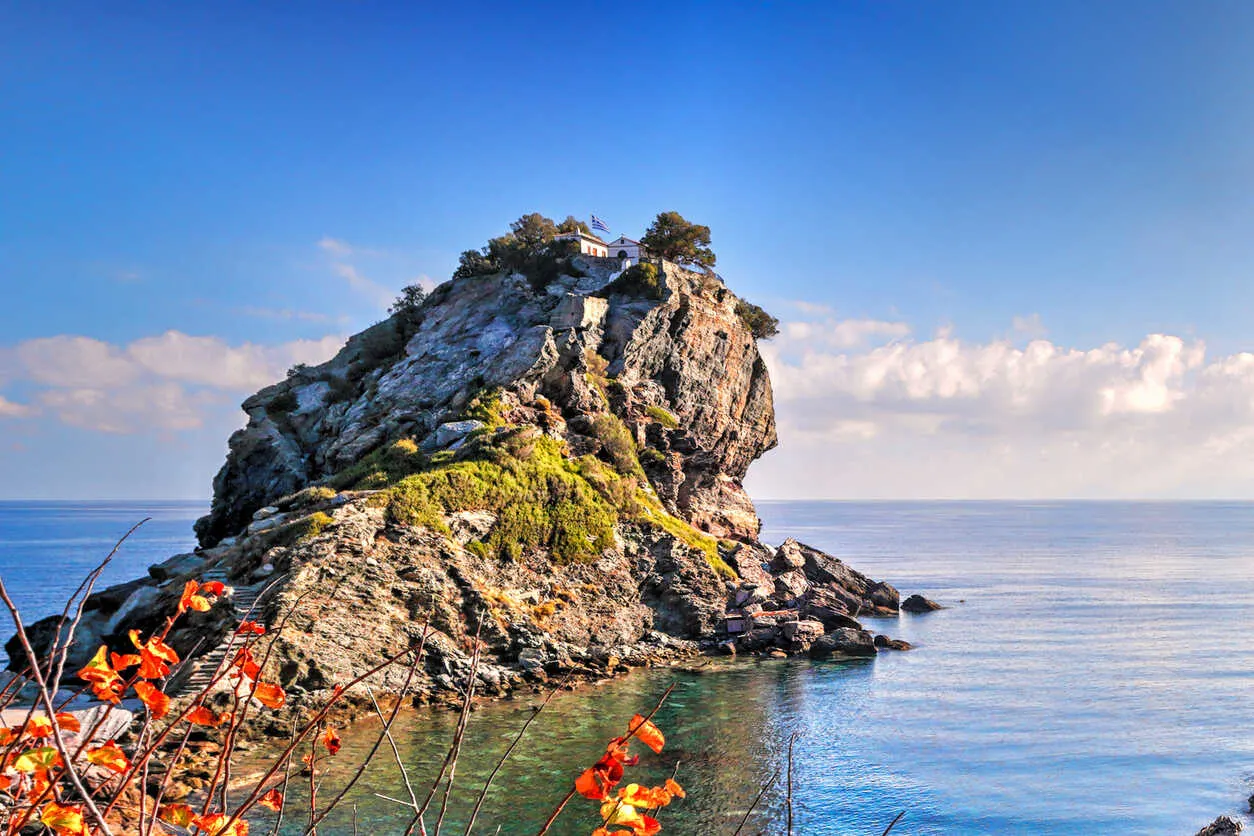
341, 389
640, 279
302, 531
618, 443
306, 496
487, 407
662, 416
283, 403
761, 324
651, 456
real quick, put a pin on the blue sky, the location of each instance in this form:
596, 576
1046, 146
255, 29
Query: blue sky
259, 179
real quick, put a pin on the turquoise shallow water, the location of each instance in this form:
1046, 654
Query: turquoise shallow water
1095, 679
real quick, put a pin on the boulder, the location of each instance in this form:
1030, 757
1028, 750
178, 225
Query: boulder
843, 642
180, 564
452, 432
757, 639
1222, 826
788, 556
789, 587
919, 604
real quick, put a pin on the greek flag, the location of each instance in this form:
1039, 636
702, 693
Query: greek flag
597, 223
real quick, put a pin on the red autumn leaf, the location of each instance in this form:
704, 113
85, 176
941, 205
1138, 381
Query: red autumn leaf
246, 664
202, 716
591, 785
7, 736
215, 825
110, 757
270, 695
673, 787
158, 703
273, 800
250, 628
213, 588
331, 740
68, 722
647, 733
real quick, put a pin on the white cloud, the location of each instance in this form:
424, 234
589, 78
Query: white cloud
372, 290
164, 382
9, 409
335, 246
1029, 326
948, 418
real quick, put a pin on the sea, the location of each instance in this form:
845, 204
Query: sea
1092, 673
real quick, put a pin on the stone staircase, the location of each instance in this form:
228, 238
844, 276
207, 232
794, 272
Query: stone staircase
202, 669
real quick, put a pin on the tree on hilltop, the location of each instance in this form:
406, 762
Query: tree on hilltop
676, 239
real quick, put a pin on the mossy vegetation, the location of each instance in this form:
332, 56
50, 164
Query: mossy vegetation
303, 530
541, 497
653, 512
382, 467
488, 408
662, 416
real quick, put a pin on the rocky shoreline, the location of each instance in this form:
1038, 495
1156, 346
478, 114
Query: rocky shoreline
553, 464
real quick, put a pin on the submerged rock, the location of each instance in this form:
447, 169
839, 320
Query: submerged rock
885, 643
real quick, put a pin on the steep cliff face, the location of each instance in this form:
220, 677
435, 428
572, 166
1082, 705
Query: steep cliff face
554, 465
682, 372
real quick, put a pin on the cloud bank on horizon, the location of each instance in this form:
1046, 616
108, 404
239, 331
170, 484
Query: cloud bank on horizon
869, 410
866, 407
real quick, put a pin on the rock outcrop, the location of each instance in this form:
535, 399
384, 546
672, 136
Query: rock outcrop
556, 465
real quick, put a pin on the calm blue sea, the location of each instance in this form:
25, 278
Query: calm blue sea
1094, 675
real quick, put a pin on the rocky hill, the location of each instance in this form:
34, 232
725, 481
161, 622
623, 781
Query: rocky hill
556, 459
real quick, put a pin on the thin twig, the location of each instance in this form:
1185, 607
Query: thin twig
509, 751
788, 795
893, 823
46, 698
385, 733
461, 727
752, 806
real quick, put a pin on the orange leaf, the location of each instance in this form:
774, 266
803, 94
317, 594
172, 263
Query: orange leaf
157, 656
179, 815
110, 757
64, 819
104, 680
189, 600
247, 664
331, 740
590, 785
38, 727
647, 733
122, 661
158, 703
68, 722
250, 628
215, 825
7, 736
673, 787
270, 695
272, 800
202, 716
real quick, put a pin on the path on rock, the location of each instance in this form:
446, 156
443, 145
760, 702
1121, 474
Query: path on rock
203, 668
